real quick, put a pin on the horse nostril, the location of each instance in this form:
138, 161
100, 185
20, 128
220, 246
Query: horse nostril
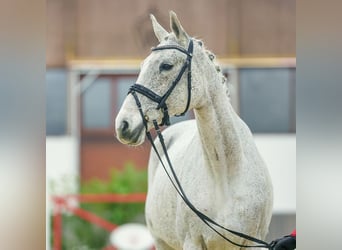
124, 126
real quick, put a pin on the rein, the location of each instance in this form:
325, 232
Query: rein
175, 181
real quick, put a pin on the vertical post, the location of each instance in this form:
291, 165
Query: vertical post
73, 105
73, 116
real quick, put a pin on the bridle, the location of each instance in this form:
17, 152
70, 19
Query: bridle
161, 101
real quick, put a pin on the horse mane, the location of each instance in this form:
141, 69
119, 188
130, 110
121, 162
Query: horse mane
212, 58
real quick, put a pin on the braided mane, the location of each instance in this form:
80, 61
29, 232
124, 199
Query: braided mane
212, 58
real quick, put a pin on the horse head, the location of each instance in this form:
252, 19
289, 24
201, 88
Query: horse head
168, 84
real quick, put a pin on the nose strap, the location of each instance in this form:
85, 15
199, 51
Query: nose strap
154, 97
146, 92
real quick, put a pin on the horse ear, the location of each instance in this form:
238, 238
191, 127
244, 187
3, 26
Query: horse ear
159, 31
177, 28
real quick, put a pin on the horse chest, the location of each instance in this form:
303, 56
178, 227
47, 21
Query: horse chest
167, 214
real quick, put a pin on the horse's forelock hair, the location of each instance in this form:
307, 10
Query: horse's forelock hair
212, 58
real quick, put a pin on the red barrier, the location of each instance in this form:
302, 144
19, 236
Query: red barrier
65, 202
93, 218
57, 228
116, 198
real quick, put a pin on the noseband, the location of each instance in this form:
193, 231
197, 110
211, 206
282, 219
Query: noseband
161, 100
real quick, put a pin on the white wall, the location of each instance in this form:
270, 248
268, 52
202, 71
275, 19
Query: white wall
279, 153
62, 170
62, 164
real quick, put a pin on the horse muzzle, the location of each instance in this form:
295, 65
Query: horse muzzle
129, 134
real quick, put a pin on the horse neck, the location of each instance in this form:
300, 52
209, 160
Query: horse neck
219, 128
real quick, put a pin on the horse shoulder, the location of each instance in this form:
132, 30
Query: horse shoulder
180, 130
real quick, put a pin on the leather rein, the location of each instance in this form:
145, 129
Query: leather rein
161, 101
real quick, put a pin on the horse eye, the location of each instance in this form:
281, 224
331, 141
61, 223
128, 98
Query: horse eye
165, 66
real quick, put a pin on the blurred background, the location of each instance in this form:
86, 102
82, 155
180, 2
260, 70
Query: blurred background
93, 55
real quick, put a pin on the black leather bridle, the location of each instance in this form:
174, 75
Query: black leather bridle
161, 101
